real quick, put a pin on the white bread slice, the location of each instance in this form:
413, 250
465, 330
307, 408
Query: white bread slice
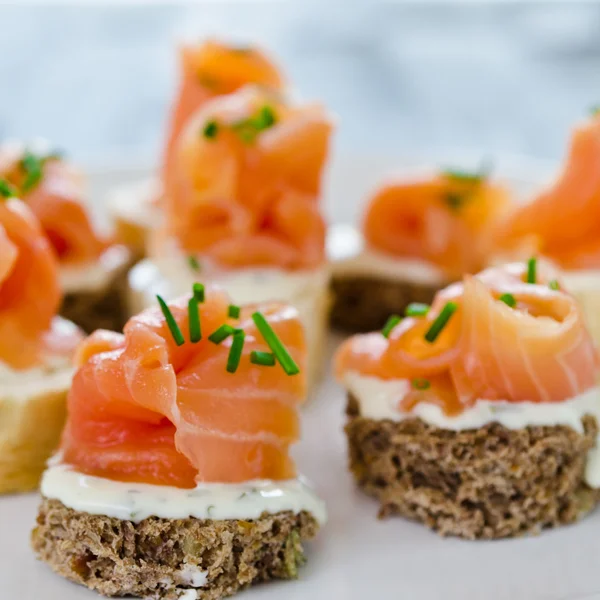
585, 287
134, 213
30, 429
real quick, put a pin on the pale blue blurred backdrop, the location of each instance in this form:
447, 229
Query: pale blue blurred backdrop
402, 78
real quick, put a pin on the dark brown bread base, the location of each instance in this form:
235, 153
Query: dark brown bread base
364, 303
489, 483
146, 559
105, 308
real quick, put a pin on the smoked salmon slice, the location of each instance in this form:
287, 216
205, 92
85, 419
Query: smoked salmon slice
562, 221
445, 220
53, 190
244, 183
212, 69
510, 336
29, 291
143, 408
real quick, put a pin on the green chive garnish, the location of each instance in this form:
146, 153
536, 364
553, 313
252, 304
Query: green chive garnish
265, 119
172, 324
553, 285
193, 262
33, 166
416, 309
277, 347
198, 290
531, 270
508, 299
392, 321
266, 359
220, 334
421, 384
454, 200
233, 311
595, 110
235, 352
194, 320
440, 321
210, 130
6, 190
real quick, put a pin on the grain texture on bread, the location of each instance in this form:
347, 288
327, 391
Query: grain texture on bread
157, 558
363, 303
490, 482
104, 307
30, 430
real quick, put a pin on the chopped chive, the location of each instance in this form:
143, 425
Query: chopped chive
421, 384
508, 299
417, 309
532, 270
210, 130
198, 290
171, 322
464, 176
440, 321
194, 320
193, 262
220, 334
553, 285
265, 119
276, 345
235, 352
233, 311
392, 321
266, 359
6, 190
33, 167
595, 110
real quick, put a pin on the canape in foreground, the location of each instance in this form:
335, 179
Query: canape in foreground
174, 478
563, 222
92, 270
36, 348
478, 417
242, 203
417, 237
208, 70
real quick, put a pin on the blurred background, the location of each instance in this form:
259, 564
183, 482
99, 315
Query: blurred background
403, 78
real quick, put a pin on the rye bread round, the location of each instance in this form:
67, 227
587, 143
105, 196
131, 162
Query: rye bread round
490, 482
154, 558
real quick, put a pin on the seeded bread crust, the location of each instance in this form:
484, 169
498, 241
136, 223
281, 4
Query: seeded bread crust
363, 303
104, 308
485, 483
151, 559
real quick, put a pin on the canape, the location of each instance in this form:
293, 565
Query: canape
417, 236
241, 203
36, 348
563, 222
173, 478
93, 272
208, 69
479, 415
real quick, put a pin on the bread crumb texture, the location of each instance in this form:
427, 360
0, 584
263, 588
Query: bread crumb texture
166, 558
487, 483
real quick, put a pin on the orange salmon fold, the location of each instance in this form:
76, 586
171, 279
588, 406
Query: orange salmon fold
143, 409
56, 199
244, 185
445, 220
563, 221
29, 291
535, 351
212, 69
